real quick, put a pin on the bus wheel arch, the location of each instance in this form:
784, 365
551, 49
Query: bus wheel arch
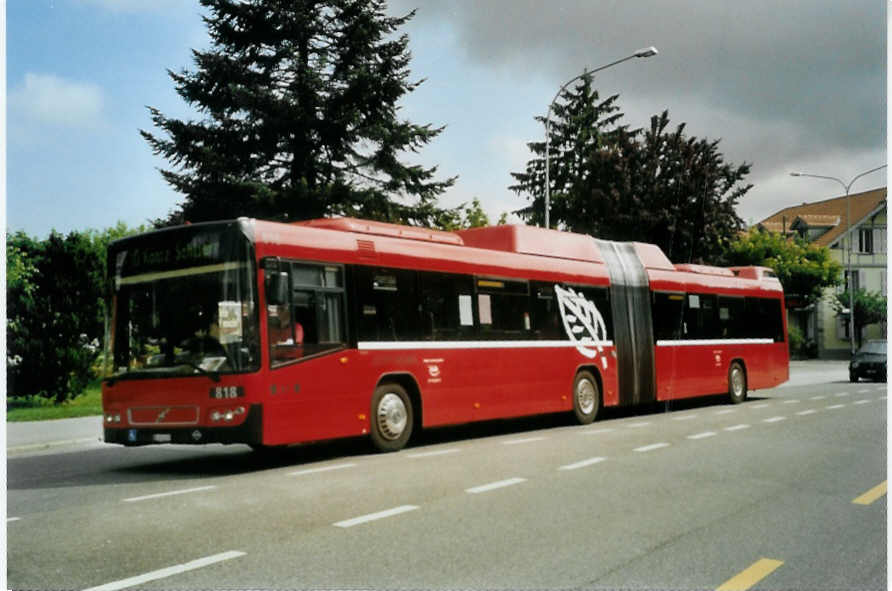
395, 412
737, 381
587, 400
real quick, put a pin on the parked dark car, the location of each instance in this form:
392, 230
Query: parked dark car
869, 362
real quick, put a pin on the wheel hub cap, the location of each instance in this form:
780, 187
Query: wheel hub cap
585, 396
392, 416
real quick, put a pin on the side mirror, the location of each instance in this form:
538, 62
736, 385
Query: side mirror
277, 289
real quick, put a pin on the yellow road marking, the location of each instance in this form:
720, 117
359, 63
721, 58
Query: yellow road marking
871, 495
752, 575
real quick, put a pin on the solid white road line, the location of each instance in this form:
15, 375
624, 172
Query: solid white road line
494, 485
651, 447
737, 427
167, 572
810, 411
526, 440
774, 420
375, 516
322, 469
168, 494
582, 464
703, 435
429, 454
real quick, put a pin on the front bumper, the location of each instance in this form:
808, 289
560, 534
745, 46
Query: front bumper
249, 432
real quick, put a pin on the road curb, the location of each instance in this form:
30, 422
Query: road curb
50, 444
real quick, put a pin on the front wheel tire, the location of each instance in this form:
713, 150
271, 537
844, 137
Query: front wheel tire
736, 383
392, 418
586, 398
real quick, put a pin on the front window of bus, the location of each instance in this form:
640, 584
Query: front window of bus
184, 305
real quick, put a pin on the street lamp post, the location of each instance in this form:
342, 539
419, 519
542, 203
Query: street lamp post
645, 52
851, 286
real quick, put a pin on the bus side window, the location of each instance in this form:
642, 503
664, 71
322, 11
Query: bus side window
446, 306
668, 318
311, 319
283, 342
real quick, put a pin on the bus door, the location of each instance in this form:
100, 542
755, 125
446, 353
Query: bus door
633, 336
668, 321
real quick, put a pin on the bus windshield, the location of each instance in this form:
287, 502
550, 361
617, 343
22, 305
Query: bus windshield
184, 305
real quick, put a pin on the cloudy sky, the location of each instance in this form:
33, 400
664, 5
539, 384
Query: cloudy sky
785, 85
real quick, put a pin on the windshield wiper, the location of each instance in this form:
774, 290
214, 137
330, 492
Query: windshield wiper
214, 375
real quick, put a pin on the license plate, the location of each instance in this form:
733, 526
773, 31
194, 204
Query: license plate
161, 437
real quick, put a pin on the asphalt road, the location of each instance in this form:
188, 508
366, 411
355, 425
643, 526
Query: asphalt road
759, 495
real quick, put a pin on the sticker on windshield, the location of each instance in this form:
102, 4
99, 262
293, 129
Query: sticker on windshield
583, 322
230, 321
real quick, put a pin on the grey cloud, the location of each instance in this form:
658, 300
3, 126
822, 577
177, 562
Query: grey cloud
817, 65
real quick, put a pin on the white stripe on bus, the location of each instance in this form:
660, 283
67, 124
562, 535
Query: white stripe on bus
528, 344
696, 342
399, 345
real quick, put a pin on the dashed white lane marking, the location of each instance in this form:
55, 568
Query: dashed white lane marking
167, 572
882, 398
375, 516
684, 418
737, 427
810, 411
582, 464
494, 485
763, 405
651, 447
8, 519
703, 435
862, 401
774, 420
525, 440
841, 394
866, 391
439, 452
791, 401
168, 494
817, 398
835, 406
322, 469
638, 425
727, 411
597, 431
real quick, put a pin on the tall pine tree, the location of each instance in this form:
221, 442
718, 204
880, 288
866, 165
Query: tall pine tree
299, 117
616, 183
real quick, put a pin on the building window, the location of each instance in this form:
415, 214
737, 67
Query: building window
865, 240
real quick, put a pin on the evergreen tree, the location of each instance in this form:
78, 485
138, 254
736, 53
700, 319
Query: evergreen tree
618, 183
299, 105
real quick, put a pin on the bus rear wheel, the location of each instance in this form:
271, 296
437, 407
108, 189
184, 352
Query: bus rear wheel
736, 383
586, 397
392, 417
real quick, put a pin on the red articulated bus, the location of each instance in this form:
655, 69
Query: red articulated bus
274, 334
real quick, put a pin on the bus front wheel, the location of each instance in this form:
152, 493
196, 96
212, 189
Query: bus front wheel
392, 417
736, 383
586, 397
